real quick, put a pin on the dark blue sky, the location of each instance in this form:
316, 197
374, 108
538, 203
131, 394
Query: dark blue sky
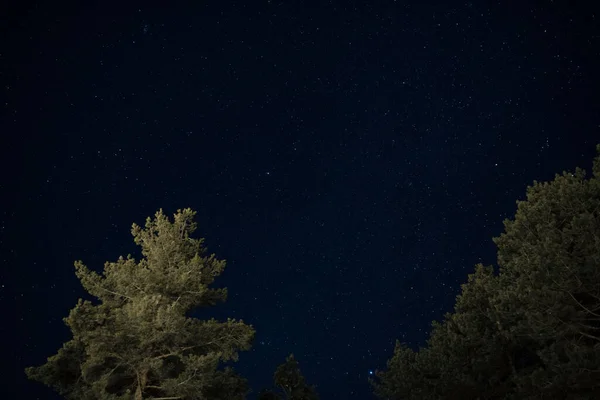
351, 163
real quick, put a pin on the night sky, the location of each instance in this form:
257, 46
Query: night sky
351, 163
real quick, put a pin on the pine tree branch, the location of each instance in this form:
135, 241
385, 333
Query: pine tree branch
176, 352
582, 306
589, 336
193, 375
115, 293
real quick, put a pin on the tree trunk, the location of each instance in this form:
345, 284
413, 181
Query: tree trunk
142, 380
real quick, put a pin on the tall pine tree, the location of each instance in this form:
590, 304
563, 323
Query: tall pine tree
532, 331
138, 342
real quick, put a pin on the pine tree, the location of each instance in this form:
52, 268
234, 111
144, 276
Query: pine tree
290, 383
532, 331
138, 342
549, 259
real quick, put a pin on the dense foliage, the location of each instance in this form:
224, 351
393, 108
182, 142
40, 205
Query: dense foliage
290, 383
532, 331
529, 331
138, 341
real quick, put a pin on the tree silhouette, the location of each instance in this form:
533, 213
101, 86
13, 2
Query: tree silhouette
290, 383
533, 330
138, 342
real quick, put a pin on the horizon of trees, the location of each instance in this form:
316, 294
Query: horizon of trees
528, 330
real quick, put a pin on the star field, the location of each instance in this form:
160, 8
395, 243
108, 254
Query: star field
351, 163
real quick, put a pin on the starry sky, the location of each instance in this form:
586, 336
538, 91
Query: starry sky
351, 162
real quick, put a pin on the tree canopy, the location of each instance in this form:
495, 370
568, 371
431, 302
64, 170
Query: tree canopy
531, 331
138, 342
290, 383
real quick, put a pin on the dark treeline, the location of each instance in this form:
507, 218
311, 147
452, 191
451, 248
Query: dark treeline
529, 330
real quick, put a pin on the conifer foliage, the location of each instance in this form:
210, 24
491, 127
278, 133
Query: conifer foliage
532, 331
290, 383
138, 342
